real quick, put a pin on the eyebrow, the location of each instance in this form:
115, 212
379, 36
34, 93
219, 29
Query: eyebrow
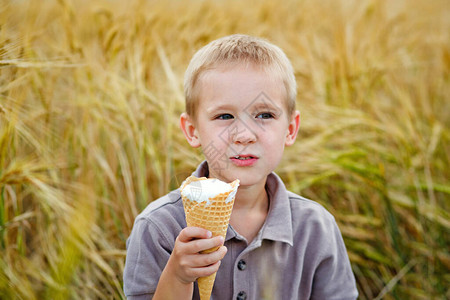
219, 107
252, 107
265, 106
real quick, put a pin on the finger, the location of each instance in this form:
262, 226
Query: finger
206, 271
190, 233
204, 260
199, 245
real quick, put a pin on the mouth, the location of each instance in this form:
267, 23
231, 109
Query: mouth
243, 157
244, 160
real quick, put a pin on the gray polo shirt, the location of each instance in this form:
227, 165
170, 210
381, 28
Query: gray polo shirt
298, 253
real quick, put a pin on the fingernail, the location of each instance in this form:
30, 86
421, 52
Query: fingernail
209, 234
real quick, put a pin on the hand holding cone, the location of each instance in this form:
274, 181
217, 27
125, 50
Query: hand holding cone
208, 204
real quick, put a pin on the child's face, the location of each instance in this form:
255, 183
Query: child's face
241, 123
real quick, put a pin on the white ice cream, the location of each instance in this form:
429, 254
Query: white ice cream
204, 190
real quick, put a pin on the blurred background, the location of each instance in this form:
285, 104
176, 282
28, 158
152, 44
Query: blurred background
91, 92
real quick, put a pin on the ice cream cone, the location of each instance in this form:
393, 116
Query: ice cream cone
213, 215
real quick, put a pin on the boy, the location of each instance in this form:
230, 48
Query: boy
240, 108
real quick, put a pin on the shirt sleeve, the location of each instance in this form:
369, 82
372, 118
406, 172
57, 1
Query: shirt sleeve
148, 251
333, 278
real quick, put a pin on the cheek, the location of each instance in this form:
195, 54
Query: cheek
276, 143
212, 144
278, 134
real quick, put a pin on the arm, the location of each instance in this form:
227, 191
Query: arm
186, 263
333, 277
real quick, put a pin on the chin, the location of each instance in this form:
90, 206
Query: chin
246, 175
247, 179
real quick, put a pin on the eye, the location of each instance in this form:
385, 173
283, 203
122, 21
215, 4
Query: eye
225, 117
265, 115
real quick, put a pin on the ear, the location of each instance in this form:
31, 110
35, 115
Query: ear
293, 128
190, 131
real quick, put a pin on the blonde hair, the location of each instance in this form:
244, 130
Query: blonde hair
239, 48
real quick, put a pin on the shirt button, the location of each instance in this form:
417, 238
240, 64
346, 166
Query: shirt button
242, 265
241, 296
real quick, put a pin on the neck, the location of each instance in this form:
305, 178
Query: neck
250, 210
252, 198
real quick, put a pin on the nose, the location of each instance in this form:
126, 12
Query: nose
241, 133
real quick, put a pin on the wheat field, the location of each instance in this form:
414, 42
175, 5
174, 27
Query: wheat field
91, 92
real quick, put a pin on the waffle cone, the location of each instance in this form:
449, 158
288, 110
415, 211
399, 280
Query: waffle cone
213, 216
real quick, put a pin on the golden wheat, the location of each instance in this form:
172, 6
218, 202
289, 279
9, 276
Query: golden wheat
91, 91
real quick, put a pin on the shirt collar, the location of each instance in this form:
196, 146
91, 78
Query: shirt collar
278, 224
202, 170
